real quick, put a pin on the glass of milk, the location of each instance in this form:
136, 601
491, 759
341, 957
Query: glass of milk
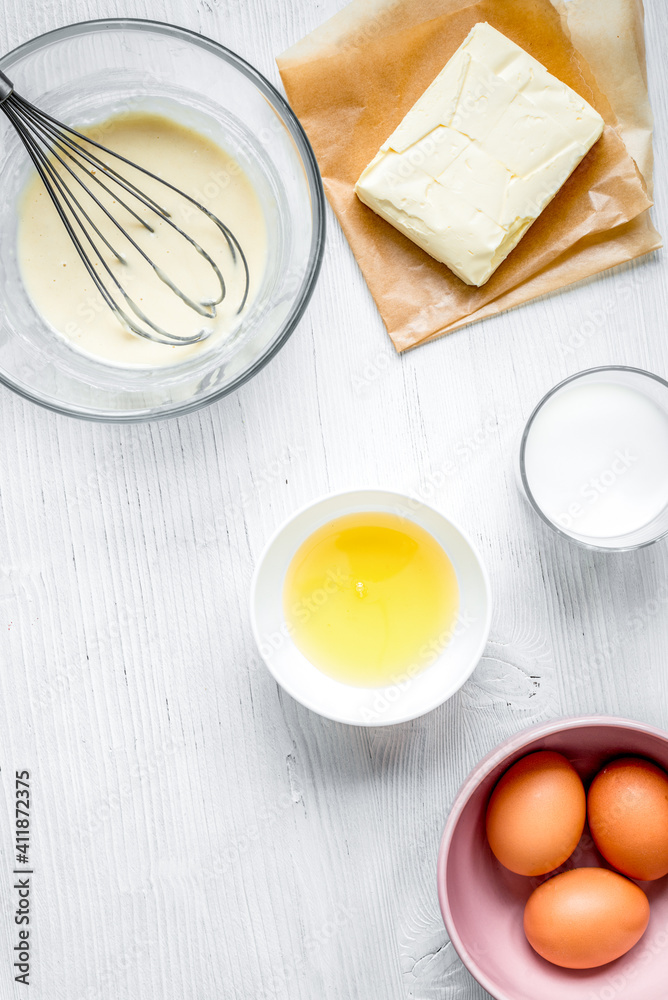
594, 458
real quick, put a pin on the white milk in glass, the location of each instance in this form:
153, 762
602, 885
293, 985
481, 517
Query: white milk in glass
596, 459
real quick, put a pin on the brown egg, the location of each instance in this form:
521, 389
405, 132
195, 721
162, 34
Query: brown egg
628, 817
536, 814
585, 918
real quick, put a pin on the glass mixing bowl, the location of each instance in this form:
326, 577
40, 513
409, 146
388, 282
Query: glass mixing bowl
83, 74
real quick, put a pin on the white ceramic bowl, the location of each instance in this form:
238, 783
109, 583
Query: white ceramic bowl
378, 706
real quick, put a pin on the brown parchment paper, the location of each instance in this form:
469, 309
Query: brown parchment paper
353, 80
610, 35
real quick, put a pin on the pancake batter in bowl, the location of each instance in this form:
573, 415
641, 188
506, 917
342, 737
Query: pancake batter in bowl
61, 289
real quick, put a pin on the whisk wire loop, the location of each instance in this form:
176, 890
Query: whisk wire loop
207, 309
50, 142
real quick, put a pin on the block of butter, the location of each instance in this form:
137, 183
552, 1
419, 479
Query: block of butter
479, 156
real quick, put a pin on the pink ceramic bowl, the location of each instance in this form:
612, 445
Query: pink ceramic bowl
483, 903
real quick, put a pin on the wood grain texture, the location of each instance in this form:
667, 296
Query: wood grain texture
197, 834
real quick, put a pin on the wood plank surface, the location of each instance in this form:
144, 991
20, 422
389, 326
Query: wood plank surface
197, 834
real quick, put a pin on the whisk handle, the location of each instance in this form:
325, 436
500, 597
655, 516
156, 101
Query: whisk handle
6, 87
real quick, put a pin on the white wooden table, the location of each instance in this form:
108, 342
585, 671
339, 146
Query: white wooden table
198, 835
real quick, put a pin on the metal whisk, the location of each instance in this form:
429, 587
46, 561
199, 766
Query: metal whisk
49, 142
